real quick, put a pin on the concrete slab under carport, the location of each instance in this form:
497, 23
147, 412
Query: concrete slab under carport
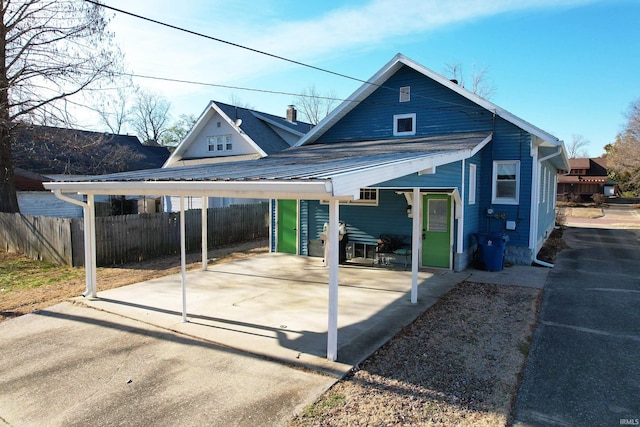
275, 306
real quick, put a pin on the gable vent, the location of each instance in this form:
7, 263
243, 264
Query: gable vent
405, 94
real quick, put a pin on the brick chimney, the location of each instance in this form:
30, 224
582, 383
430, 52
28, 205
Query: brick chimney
292, 114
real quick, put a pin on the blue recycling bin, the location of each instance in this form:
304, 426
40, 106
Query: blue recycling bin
491, 247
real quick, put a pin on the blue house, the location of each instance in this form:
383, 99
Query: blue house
490, 171
410, 159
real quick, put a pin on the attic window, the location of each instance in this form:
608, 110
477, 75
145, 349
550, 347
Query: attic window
404, 124
220, 143
405, 94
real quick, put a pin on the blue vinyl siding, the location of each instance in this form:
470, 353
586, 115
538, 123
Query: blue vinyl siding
438, 111
446, 176
509, 143
365, 224
472, 213
546, 209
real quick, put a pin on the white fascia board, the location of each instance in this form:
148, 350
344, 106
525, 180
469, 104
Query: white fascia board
349, 183
316, 190
242, 135
391, 67
480, 146
276, 124
352, 101
188, 138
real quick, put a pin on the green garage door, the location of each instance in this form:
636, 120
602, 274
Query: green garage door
287, 226
436, 229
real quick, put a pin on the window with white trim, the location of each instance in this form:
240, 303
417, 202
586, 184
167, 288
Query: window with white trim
506, 182
472, 184
220, 143
405, 94
368, 197
404, 124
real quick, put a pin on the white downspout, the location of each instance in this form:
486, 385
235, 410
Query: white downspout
537, 200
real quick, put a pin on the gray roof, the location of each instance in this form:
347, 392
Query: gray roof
258, 130
310, 162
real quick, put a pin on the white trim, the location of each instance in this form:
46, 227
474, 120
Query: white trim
397, 117
204, 118
473, 183
495, 200
460, 236
387, 71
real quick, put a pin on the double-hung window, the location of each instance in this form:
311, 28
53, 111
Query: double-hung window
506, 182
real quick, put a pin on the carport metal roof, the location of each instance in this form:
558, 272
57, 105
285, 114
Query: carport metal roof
330, 171
310, 172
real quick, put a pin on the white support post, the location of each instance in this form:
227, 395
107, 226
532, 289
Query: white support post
416, 241
205, 209
92, 244
183, 260
332, 335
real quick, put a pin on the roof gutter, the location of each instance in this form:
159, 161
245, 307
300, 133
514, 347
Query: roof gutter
535, 258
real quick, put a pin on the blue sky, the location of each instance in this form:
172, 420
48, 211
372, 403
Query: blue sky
568, 67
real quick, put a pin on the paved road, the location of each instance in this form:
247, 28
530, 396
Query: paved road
584, 364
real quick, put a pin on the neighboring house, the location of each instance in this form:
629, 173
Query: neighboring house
45, 153
226, 133
587, 176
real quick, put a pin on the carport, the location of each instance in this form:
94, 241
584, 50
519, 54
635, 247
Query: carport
333, 172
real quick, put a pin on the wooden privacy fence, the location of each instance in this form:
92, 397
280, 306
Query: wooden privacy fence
130, 238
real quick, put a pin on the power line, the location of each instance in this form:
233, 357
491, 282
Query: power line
195, 33
292, 61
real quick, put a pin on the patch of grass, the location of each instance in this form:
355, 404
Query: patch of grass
19, 272
329, 401
523, 347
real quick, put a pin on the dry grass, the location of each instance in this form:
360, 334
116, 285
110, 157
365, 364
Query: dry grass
458, 364
27, 285
582, 212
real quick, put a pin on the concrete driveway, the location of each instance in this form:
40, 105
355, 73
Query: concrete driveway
252, 353
584, 363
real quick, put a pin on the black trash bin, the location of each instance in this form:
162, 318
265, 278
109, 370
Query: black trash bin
491, 248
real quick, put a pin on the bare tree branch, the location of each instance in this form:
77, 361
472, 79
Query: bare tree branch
51, 51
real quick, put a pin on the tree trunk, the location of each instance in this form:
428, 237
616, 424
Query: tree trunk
8, 197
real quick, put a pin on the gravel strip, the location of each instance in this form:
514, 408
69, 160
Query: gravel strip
458, 364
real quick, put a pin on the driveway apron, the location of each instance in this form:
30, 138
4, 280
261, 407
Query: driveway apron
584, 363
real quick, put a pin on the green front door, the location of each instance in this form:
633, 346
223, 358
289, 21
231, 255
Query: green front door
287, 226
436, 230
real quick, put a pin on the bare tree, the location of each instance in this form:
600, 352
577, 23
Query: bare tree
150, 116
577, 146
113, 109
480, 83
314, 106
236, 101
51, 52
623, 156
